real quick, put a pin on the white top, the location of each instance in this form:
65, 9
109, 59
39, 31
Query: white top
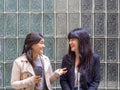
77, 78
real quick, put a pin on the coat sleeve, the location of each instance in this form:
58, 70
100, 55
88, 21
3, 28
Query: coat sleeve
96, 76
15, 78
50, 75
54, 75
63, 78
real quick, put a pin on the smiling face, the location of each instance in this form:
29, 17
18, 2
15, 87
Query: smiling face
73, 42
38, 48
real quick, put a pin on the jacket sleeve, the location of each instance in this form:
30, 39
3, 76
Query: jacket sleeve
15, 78
96, 76
63, 78
50, 75
54, 75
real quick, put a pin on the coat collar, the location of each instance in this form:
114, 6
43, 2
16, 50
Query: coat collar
44, 62
29, 66
24, 58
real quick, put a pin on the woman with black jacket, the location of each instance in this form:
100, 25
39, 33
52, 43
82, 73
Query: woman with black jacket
82, 64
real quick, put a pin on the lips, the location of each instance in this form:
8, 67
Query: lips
41, 50
72, 47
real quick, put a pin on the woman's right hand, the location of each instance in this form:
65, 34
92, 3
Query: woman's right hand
62, 71
37, 79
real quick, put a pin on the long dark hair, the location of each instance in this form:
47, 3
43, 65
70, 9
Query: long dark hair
85, 49
31, 39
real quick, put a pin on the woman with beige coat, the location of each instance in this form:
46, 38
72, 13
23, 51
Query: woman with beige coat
24, 74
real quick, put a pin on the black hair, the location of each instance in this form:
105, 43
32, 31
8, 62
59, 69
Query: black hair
31, 39
85, 49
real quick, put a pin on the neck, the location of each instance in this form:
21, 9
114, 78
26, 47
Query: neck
77, 54
35, 56
77, 59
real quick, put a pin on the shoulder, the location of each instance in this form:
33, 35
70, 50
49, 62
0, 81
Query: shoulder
19, 61
44, 57
65, 56
96, 58
67, 60
21, 58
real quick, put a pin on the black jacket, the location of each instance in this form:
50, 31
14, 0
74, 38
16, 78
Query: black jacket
88, 81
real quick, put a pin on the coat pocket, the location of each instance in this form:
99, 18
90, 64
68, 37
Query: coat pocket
25, 75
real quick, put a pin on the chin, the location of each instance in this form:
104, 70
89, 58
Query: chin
72, 50
41, 53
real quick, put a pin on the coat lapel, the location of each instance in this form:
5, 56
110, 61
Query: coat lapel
44, 62
30, 69
27, 66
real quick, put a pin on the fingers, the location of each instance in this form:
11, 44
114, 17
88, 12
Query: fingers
64, 69
37, 79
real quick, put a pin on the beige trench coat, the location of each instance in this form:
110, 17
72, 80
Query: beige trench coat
22, 73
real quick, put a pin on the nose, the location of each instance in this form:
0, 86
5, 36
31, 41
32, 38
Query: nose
43, 45
70, 41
